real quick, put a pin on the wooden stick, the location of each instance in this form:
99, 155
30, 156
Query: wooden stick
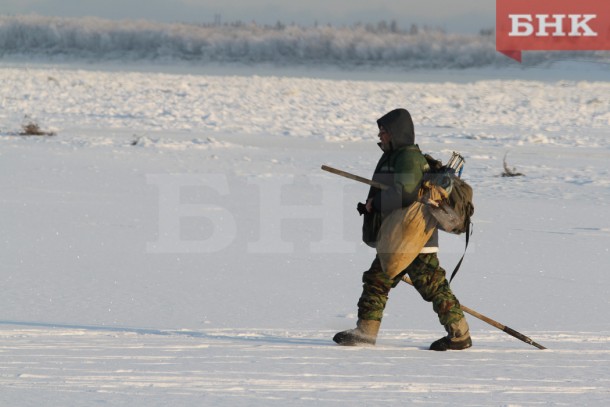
491, 322
367, 181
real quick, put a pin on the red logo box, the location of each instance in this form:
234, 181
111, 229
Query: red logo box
551, 25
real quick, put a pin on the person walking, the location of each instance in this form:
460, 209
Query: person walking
402, 167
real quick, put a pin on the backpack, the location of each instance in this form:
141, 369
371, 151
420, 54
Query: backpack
456, 207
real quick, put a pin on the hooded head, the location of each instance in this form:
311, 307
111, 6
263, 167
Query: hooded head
400, 126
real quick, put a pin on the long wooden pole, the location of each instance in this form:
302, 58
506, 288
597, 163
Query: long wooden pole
491, 322
355, 177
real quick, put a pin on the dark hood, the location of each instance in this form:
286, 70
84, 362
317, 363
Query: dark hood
399, 124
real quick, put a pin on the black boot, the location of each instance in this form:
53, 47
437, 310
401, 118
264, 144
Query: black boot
365, 333
445, 343
458, 337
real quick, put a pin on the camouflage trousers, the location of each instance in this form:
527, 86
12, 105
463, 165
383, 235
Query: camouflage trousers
429, 280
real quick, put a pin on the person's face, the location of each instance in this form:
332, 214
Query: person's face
384, 137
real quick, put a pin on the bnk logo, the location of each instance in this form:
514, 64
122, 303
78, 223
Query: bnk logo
522, 25
551, 25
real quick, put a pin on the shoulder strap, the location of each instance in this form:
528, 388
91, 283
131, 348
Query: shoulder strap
469, 230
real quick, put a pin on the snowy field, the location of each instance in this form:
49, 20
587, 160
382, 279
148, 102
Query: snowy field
176, 243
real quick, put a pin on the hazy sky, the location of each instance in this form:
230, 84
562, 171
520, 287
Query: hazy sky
453, 15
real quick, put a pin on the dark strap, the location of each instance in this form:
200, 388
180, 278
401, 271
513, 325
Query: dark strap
468, 233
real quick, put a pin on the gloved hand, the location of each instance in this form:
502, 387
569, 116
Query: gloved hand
361, 208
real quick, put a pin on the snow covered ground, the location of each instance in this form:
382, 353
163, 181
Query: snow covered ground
175, 243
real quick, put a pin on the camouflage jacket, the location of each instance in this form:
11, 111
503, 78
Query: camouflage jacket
401, 168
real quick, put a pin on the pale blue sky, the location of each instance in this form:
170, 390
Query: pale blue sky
452, 15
